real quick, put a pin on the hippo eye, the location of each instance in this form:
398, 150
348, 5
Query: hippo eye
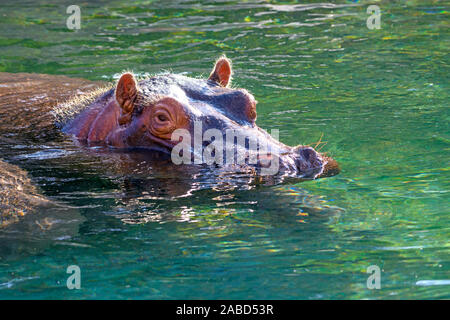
166, 116
162, 118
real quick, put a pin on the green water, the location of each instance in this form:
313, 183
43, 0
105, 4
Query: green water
379, 98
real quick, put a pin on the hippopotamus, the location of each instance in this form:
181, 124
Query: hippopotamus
146, 120
155, 113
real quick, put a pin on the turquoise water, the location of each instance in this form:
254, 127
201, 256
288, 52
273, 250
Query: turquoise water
379, 98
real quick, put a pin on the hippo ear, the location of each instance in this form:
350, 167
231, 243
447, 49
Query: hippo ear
222, 72
126, 92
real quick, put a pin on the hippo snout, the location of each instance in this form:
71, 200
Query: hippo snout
331, 168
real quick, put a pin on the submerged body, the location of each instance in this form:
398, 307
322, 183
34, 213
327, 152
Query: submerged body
26, 101
150, 114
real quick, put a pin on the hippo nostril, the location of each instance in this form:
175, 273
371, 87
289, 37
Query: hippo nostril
307, 153
308, 161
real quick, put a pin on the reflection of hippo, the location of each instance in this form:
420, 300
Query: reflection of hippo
145, 114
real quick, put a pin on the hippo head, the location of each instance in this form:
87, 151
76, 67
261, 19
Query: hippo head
170, 112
